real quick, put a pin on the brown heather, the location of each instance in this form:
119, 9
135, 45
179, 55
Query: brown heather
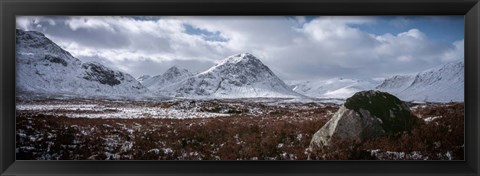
281, 134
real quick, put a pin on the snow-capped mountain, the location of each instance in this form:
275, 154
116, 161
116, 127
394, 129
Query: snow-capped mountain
331, 88
171, 76
444, 83
45, 68
237, 76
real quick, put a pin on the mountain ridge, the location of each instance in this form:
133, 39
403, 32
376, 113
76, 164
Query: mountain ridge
341, 88
172, 75
45, 68
443, 83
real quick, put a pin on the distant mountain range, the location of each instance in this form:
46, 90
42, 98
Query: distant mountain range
43, 68
440, 84
443, 83
341, 88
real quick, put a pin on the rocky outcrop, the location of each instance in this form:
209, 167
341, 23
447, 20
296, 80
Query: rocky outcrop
102, 74
365, 115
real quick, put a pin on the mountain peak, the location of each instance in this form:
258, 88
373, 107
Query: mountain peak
172, 69
239, 58
44, 68
35, 46
240, 75
245, 55
176, 70
172, 75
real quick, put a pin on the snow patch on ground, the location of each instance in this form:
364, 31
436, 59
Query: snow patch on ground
430, 119
389, 155
101, 111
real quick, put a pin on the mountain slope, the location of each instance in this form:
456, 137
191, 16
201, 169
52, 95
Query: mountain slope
45, 68
444, 83
238, 76
171, 76
331, 88
143, 78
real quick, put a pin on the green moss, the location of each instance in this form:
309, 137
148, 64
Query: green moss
394, 114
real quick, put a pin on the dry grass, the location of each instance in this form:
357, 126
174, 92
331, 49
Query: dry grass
283, 133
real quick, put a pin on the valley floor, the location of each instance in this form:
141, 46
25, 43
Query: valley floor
216, 130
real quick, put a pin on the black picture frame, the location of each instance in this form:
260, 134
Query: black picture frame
10, 8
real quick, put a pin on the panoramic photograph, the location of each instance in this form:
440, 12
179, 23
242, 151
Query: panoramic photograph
240, 88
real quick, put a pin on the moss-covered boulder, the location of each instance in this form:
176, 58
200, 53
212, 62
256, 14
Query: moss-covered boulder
365, 115
393, 113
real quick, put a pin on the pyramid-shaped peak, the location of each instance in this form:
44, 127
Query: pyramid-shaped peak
239, 58
245, 55
176, 69
173, 68
237, 76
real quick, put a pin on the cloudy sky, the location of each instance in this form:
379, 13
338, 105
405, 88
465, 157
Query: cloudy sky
295, 48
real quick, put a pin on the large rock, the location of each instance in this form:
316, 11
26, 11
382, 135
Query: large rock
365, 115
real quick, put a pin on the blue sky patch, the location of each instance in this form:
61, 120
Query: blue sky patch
206, 35
439, 28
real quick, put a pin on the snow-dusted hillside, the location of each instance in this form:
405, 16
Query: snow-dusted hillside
171, 76
331, 88
444, 83
238, 76
43, 68
143, 78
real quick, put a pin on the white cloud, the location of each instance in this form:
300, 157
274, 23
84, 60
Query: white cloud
293, 47
161, 40
89, 23
455, 53
413, 33
31, 23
